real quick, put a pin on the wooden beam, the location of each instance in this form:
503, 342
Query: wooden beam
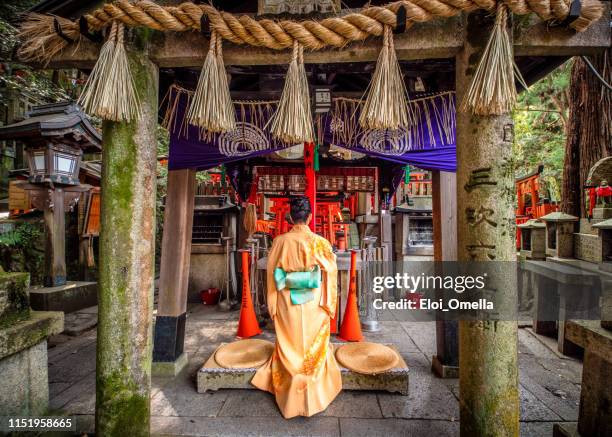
533, 37
440, 38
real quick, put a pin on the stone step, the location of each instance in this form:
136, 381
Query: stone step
80, 321
72, 296
214, 377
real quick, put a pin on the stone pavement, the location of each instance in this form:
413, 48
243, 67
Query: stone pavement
550, 390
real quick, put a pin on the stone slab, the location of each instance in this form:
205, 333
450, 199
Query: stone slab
589, 334
357, 427
70, 297
213, 377
588, 247
27, 333
170, 368
565, 430
595, 415
78, 322
24, 389
602, 213
245, 426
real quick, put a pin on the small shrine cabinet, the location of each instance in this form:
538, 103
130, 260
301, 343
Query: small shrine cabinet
560, 228
533, 239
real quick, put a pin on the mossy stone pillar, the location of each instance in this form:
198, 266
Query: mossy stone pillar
127, 242
488, 373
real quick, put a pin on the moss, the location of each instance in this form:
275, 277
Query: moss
123, 363
122, 409
14, 317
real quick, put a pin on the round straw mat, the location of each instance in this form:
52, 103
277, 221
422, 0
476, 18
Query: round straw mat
367, 358
244, 354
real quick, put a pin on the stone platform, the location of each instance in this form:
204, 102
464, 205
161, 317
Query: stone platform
70, 297
214, 377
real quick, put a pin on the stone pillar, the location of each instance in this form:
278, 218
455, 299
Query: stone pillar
127, 243
168, 356
488, 371
445, 363
55, 238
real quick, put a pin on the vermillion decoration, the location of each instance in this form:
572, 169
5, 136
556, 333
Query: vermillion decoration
492, 90
211, 107
247, 324
386, 104
110, 92
292, 122
351, 325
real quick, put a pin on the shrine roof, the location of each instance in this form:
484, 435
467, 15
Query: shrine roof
63, 121
606, 224
532, 224
559, 217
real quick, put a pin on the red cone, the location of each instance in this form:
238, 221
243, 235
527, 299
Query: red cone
351, 325
247, 325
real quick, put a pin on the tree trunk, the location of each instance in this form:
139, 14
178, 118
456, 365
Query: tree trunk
589, 132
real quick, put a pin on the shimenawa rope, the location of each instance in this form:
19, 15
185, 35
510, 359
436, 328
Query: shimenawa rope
42, 41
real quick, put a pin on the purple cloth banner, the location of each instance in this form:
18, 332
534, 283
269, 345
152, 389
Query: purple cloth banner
428, 144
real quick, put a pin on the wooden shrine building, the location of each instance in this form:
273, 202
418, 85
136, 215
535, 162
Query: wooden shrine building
438, 45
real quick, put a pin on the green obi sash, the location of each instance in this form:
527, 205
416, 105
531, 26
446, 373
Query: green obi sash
300, 284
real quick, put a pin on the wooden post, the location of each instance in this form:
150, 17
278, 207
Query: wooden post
127, 243
311, 181
55, 238
168, 354
488, 372
444, 198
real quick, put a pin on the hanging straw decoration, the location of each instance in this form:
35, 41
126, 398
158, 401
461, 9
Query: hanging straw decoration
212, 108
386, 104
492, 91
110, 91
292, 122
250, 219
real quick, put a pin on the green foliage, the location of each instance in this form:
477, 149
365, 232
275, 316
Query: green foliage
22, 250
14, 75
24, 235
540, 122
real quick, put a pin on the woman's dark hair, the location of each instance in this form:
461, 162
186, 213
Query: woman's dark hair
299, 209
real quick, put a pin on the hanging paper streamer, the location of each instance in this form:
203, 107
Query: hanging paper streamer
110, 92
292, 122
492, 90
386, 105
211, 107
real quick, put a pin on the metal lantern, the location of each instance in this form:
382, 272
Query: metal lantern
55, 163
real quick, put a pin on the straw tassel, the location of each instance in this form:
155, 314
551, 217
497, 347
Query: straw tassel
110, 91
212, 108
386, 106
292, 123
492, 91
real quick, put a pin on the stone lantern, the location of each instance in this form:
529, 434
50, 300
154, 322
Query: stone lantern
55, 138
54, 164
533, 239
560, 228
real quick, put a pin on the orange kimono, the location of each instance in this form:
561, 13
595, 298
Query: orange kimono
302, 372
